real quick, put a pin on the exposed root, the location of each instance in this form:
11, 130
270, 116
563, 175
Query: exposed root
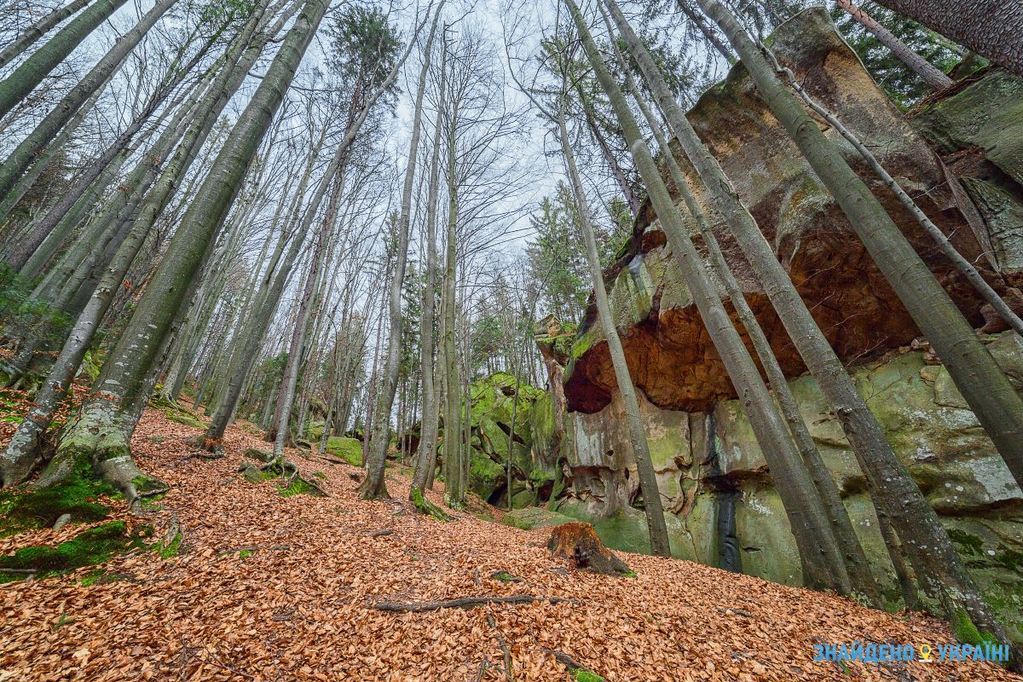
279, 467
464, 603
576, 670
424, 506
509, 674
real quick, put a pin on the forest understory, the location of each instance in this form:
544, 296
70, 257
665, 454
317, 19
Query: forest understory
269, 587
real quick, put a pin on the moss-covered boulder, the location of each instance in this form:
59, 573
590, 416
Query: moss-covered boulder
504, 414
348, 449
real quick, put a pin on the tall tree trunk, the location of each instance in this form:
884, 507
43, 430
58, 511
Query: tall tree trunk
454, 494
45, 225
975, 373
652, 506
373, 486
427, 457
933, 231
930, 74
991, 28
101, 432
33, 70
822, 562
29, 148
707, 30
21, 454
38, 30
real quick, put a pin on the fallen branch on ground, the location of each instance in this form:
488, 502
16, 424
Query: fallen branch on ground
464, 603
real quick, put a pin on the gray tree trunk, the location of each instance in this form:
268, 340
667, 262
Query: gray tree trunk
652, 507
100, 434
991, 28
38, 30
29, 148
975, 373
929, 73
373, 486
33, 70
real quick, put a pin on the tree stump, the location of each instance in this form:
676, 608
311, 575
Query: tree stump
579, 543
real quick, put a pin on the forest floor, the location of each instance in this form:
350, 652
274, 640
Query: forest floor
267, 587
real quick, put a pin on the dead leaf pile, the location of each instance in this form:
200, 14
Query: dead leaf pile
268, 587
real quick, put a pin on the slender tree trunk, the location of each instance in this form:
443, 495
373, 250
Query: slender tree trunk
855, 558
991, 28
373, 486
100, 433
652, 506
707, 30
45, 225
23, 155
427, 457
930, 74
33, 70
975, 373
822, 562
37, 30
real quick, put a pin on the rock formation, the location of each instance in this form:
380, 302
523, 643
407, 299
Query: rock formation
961, 157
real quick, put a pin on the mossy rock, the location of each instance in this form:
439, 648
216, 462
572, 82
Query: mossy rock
348, 449
90, 547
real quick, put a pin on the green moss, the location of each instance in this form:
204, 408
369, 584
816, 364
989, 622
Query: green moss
92, 546
296, 487
505, 577
967, 633
348, 449
424, 506
101, 577
186, 419
172, 548
245, 554
78, 496
584, 675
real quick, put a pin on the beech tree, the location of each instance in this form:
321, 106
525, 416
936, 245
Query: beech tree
984, 26
102, 429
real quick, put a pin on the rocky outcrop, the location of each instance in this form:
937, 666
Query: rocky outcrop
670, 355
961, 157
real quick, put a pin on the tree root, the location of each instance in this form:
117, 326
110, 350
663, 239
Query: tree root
424, 506
576, 670
464, 603
509, 675
279, 467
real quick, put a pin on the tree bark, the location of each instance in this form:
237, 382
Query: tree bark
427, 456
100, 433
652, 507
982, 383
373, 486
855, 558
991, 28
38, 30
33, 70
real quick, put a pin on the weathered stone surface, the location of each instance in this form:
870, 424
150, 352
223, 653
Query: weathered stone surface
925, 420
671, 356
